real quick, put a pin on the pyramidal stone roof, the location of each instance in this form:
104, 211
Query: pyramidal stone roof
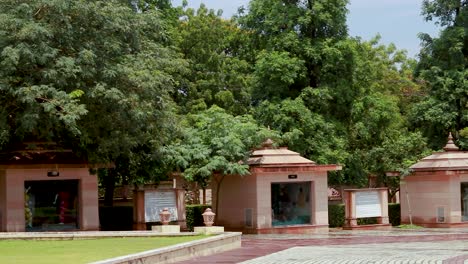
276, 156
449, 159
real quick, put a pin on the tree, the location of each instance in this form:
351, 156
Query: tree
382, 89
94, 76
213, 143
216, 75
443, 66
302, 130
332, 97
297, 34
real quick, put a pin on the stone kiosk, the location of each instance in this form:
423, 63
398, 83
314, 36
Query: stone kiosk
285, 193
435, 194
43, 188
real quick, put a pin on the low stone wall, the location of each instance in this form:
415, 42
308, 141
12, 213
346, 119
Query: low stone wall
184, 251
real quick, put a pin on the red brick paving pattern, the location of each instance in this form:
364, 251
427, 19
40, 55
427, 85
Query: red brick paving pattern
257, 247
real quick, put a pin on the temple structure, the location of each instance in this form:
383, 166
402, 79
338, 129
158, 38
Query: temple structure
285, 193
435, 194
46, 189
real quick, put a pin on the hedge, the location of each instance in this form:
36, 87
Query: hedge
194, 216
116, 218
394, 214
336, 215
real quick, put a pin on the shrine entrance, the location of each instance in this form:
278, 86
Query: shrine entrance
290, 203
464, 201
51, 205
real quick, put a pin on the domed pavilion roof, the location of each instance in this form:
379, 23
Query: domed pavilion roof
277, 156
268, 155
449, 159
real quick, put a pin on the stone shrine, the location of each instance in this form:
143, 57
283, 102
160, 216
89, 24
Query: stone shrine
435, 194
285, 193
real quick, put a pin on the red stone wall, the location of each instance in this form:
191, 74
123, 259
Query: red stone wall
12, 189
254, 191
428, 191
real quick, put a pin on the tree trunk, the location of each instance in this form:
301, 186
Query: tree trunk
216, 198
109, 187
204, 195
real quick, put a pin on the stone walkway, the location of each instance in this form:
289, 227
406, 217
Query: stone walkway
395, 246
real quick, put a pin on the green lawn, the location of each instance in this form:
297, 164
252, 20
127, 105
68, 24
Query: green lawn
80, 251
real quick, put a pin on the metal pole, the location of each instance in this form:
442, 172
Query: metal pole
408, 202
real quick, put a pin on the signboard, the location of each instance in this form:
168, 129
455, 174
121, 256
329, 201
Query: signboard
368, 204
156, 201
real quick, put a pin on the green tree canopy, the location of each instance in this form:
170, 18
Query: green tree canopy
443, 66
214, 142
296, 37
94, 76
216, 74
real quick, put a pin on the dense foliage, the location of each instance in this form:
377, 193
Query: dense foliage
444, 68
194, 215
153, 88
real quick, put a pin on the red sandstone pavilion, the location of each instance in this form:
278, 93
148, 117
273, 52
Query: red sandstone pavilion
46, 189
285, 193
437, 190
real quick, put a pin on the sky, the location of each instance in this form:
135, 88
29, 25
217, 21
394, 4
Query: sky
397, 21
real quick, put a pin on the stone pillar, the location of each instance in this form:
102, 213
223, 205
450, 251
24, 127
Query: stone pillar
2, 201
89, 203
139, 210
383, 193
350, 208
180, 203
14, 201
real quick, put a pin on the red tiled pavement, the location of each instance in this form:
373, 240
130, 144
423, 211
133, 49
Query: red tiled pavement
257, 247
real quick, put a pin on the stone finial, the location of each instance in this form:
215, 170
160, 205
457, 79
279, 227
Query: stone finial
165, 216
208, 217
450, 145
268, 144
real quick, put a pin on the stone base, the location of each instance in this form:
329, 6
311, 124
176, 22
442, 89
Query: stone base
369, 227
166, 228
209, 229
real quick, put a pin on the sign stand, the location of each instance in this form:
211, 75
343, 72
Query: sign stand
362, 203
148, 202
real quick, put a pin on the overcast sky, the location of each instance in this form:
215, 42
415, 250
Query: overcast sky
397, 21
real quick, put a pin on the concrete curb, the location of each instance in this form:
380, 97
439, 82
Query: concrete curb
183, 251
86, 235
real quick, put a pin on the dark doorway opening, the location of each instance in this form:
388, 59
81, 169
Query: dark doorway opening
51, 205
464, 201
291, 203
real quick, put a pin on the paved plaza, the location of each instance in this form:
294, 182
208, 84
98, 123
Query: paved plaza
395, 246
413, 252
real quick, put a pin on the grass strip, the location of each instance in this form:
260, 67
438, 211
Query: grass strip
81, 251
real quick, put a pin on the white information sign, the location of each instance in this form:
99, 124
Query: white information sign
156, 201
368, 204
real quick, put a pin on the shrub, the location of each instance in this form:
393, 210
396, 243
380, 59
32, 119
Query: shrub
394, 214
116, 218
367, 221
336, 215
194, 215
